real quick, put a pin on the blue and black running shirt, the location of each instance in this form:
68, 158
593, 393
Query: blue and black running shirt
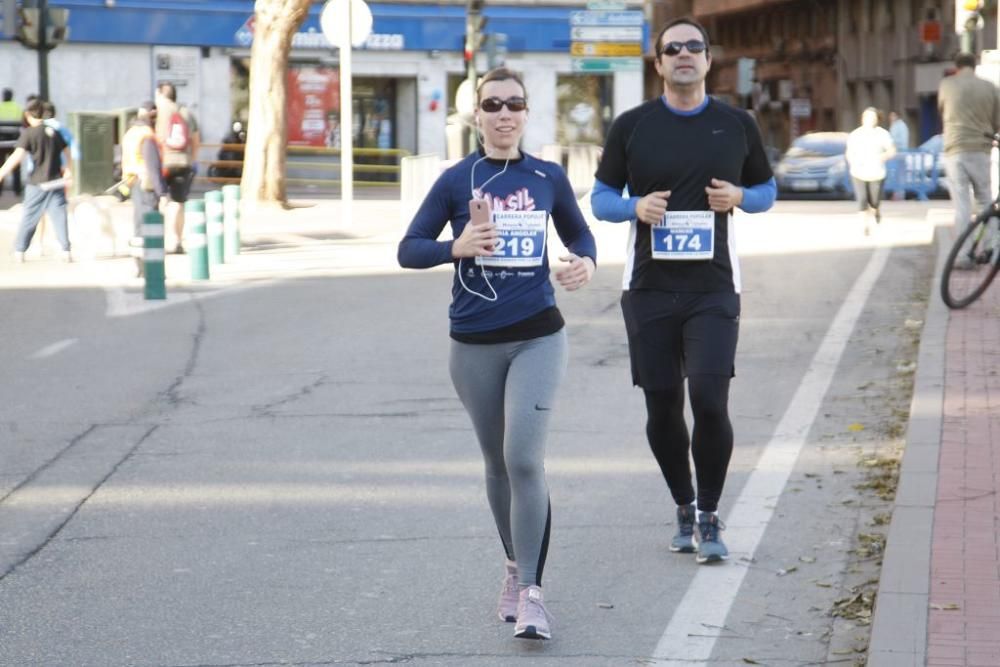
652, 148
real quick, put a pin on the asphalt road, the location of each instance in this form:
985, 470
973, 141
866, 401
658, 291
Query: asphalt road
276, 470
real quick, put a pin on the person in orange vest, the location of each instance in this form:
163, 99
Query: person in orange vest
12, 116
142, 169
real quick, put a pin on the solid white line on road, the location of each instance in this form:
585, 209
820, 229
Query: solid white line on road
701, 615
54, 348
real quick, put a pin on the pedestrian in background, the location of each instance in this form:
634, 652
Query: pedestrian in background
970, 115
869, 147
899, 131
508, 347
142, 171
688, 160
177, 131
12, 115
45, 190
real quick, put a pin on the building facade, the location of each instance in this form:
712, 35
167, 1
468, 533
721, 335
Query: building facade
404, 77
804, 65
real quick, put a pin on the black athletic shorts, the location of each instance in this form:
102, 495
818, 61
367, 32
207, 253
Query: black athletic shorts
179, 181
672, 335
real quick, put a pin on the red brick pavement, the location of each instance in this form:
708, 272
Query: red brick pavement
964, 624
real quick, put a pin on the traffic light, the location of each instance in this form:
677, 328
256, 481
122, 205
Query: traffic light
57, 26
29, 22
475, 25
496, 49
27, 27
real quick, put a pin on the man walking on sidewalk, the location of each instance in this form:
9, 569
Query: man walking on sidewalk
970, 112
45, 191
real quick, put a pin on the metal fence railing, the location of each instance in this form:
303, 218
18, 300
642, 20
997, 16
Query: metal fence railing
914, 171
306, 165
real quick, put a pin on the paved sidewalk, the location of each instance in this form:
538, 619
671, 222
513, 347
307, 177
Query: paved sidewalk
964, 627
939, 593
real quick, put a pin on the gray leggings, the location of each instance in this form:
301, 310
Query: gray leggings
508, 390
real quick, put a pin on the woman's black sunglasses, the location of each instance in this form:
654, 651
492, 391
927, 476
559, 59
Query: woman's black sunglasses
494, 104
693, 46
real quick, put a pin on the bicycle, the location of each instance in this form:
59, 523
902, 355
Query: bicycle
974, 259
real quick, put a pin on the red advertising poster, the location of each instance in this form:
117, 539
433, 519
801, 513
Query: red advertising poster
313, 106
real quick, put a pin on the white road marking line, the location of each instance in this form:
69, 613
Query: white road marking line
698, 620
54, 348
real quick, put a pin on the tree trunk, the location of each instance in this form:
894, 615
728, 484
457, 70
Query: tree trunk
276, 21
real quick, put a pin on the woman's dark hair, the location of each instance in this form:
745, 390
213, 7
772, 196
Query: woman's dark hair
683, 20
500, 74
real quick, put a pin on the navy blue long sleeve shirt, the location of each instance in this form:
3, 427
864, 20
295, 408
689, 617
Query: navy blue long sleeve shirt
527, 184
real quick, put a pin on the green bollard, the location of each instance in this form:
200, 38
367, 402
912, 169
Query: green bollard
214, 219
231, 219
195, 238
153, 256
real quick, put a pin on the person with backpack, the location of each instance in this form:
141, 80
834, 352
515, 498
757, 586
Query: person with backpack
177, 133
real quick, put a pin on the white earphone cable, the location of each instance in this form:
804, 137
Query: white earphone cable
472, 192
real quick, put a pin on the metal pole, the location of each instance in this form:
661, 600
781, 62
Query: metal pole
43, 50
346, 121
470, 67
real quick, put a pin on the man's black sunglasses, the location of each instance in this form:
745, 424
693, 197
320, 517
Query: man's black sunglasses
692, 45
494, 104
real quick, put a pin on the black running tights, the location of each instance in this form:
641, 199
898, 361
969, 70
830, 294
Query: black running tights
711, 441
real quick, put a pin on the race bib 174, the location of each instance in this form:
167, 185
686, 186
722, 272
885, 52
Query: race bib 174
684, 235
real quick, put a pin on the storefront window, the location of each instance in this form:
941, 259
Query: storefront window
374, 113
585, 113
313, 111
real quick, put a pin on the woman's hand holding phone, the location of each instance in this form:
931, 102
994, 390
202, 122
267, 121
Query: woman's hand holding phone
479, 236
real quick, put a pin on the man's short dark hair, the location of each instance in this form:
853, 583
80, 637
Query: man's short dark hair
683, 20
965, 59
48, 109
168, 90
34, 108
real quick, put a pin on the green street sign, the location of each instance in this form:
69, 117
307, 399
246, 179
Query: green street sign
606, 5
607, 64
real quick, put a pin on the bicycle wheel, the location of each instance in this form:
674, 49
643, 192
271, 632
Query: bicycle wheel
973, 262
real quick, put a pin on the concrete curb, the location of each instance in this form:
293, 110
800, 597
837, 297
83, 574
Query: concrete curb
899, 624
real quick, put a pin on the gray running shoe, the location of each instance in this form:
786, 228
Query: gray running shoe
683, 541
507, 607
710, 546
532, 619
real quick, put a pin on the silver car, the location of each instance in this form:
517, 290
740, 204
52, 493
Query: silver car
815, 163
